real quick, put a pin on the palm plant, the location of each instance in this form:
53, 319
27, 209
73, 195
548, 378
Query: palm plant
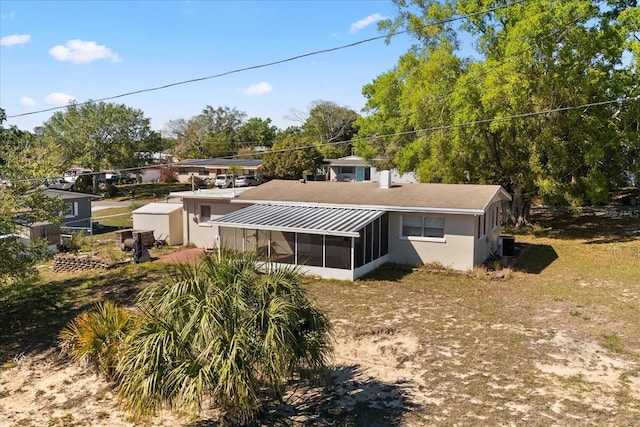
223, 329
96, 337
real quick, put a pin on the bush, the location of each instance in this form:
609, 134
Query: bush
96, 337
111, 191
168, 175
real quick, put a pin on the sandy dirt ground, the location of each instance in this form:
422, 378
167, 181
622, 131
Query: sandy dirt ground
376, 373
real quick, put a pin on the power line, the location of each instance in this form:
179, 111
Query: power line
268, 64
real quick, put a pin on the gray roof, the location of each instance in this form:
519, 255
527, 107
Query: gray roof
69, 195
312, 220
443, 198
220, 162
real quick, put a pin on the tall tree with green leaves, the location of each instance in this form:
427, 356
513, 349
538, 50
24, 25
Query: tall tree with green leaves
222, 331
22, 203
257, 132
291, 156
100, 136
331, 126
213, 133
506, 116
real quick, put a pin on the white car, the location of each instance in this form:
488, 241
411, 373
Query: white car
246, 181
224, 181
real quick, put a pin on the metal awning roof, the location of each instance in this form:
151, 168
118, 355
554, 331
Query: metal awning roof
301, 219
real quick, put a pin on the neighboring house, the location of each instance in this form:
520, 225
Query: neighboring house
354, 168
345, 230
77, 215
200, 208
209, 168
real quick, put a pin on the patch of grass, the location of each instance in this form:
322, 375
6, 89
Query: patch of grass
613, 342
102, 415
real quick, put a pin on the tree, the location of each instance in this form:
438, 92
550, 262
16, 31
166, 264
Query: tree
22, 203
258, 132
502, 117
212, 133
331, 126
224, 330
291, 156
99, 136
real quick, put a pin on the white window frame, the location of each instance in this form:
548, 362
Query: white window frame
423, 220
73, 212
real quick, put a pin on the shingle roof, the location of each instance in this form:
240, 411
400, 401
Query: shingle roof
453, 198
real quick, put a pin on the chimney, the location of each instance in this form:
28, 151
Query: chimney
385, 179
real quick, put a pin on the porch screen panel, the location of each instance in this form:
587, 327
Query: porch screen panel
384, 234
239, 240
376, 239
337, 252
283, 246
368, 243
262, 248
359, 249
251, 240
227, 238
310, 249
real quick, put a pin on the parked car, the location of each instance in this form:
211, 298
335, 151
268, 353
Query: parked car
246, 181
224, 181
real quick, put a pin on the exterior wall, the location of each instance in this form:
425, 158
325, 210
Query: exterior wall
335, 174
202, 233
488, 243
455, 251
82, 218
168, 224
184, 173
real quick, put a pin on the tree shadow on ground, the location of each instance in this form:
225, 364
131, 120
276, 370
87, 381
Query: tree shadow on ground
535, 258
606, 225
388, 272
32, 314
349, 398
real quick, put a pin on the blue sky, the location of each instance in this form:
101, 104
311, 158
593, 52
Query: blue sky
53, 51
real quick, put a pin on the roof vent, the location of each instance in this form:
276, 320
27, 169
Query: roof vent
385, 179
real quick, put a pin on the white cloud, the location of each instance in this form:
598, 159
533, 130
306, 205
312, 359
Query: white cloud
58, 98
9, 15
27, 102
258, 89
81, 52
15, 39
365, 22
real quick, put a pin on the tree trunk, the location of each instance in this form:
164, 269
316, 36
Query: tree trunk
517, 212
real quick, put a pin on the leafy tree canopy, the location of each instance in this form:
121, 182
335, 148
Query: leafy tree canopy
291, 156
502, 117
99, 136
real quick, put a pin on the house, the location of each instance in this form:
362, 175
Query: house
77, 215
344, 230
209, 168
202, 206
354, 168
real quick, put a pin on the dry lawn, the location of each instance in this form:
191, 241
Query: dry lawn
555, 341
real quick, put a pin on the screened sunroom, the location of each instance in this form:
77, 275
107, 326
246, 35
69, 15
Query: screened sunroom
335, 243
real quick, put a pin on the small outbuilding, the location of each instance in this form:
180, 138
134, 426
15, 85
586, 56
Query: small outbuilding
165, 219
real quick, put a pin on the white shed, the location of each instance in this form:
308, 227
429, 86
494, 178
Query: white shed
165, 219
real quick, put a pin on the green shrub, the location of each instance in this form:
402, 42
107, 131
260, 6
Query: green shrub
111, 191
96, 337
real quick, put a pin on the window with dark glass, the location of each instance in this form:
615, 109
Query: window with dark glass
205, 213
347, 169
423, 226
337, 252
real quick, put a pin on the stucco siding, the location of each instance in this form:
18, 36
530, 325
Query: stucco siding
455, 250
202, 233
